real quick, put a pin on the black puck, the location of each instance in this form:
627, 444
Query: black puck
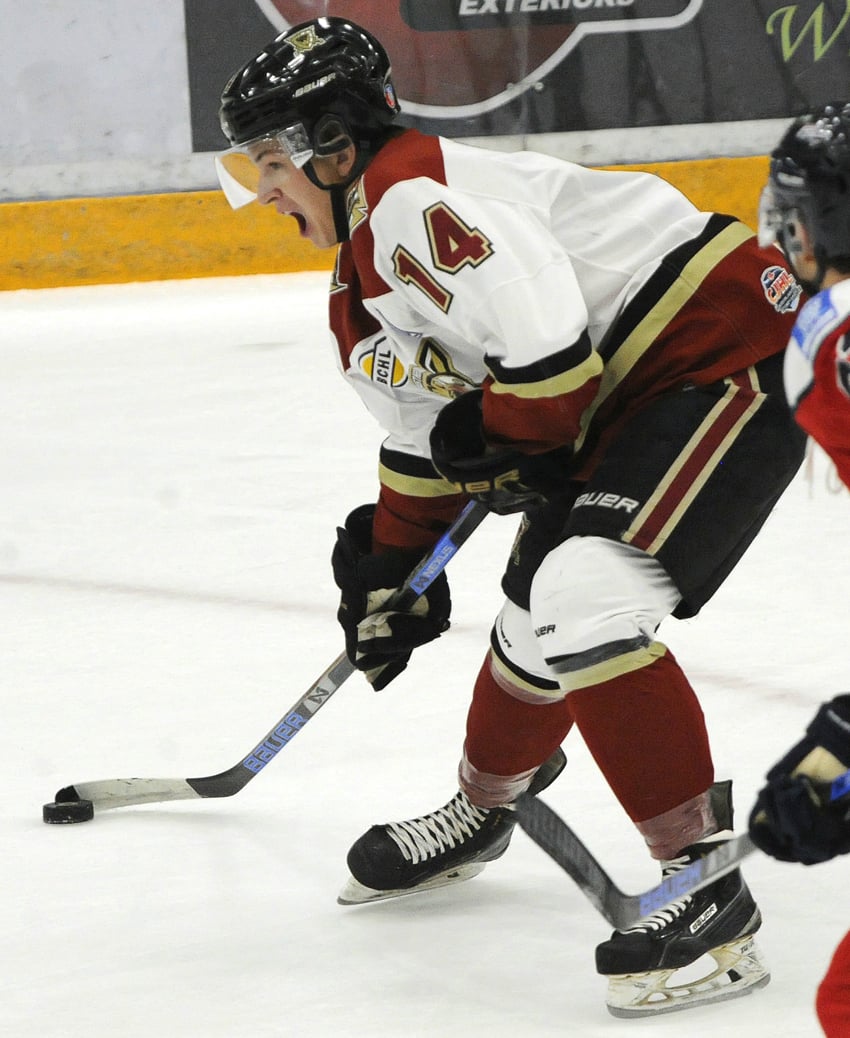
65, 812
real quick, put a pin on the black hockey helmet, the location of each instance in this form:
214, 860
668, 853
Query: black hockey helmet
327, 82
809, 181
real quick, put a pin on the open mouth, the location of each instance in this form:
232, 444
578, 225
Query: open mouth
302, 223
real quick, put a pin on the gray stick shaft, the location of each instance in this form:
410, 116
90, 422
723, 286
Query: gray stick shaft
557, 839
123, 792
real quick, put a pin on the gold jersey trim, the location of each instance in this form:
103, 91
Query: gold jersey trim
633, 347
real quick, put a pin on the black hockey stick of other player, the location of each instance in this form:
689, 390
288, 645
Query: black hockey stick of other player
557, 839
109, 793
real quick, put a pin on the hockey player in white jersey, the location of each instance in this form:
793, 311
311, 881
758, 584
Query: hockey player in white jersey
586, 348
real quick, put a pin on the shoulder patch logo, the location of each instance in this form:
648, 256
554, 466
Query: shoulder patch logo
781, 289
380, 364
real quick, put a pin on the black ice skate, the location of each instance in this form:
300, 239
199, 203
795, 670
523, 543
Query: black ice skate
718, 921
446, 846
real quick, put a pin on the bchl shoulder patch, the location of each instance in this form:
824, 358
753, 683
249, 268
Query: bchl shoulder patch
379, 363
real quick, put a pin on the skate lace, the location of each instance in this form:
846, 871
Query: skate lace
666, 915
430, 835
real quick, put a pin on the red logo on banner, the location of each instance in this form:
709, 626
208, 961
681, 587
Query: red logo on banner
461, 58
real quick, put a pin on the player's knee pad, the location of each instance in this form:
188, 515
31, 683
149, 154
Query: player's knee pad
595, 607
516, 662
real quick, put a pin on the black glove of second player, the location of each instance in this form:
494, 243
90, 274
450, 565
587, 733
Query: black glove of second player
380, 642
793, 818
504, 479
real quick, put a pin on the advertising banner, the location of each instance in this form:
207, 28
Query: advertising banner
483, 67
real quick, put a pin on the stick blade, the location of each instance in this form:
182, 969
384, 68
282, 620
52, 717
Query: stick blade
107, 794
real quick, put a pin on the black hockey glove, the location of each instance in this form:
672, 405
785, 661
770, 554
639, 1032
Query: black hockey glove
504, 479
377, 642
793, 818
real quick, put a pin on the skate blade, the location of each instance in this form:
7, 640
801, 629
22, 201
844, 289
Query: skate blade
738, 970
355, 893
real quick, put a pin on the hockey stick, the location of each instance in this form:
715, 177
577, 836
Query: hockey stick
111, 793
557, 839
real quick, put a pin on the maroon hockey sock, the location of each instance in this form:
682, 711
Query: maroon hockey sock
646, 731
506, 736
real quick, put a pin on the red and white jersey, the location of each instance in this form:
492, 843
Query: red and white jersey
571, 296
817, 373
833, 995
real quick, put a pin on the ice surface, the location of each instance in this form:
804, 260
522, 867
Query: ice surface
175, 458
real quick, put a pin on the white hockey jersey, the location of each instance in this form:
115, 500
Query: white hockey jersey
566, 293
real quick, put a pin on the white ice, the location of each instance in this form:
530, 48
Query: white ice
175, 458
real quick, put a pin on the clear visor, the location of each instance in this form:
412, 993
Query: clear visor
238, 168
772, 217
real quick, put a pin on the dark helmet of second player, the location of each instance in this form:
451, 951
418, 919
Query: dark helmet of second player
809, 181
318, 86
